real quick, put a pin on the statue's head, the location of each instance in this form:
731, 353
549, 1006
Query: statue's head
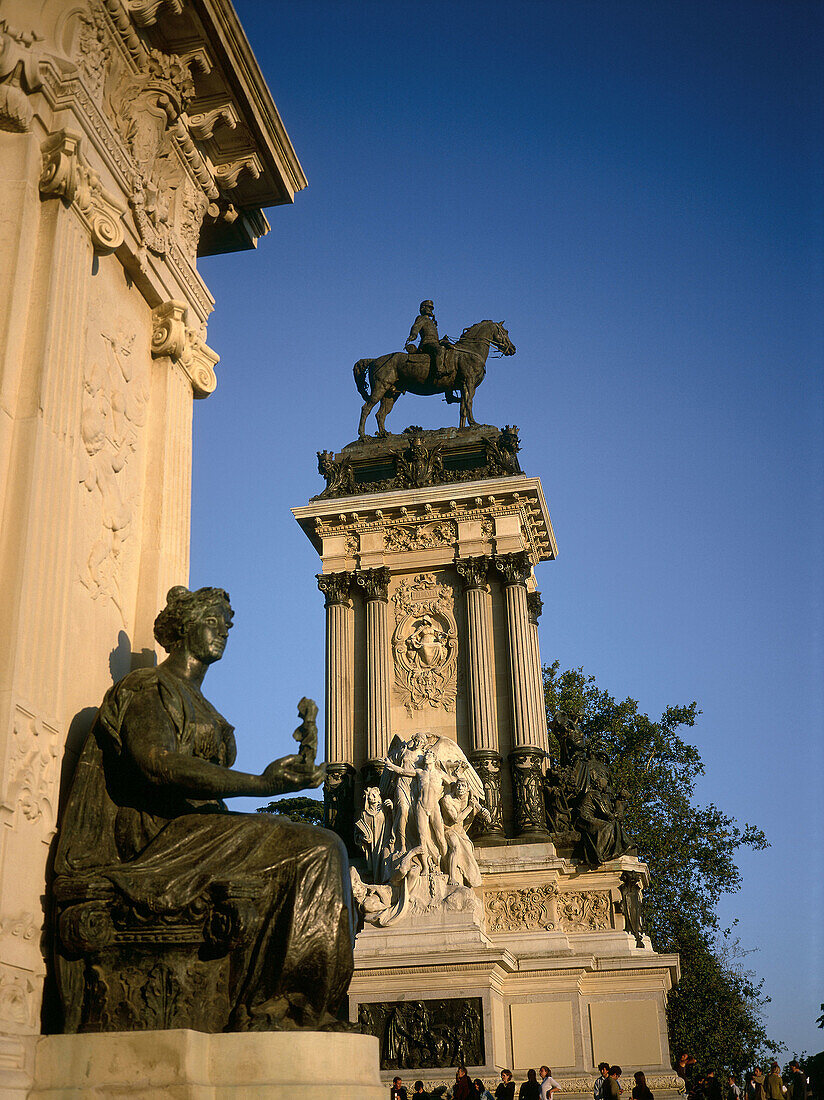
429, 757
427, 306
372, 797
461, 787
199, 621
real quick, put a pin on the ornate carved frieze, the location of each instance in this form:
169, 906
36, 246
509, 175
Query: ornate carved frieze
514, 568
530, 909
93, 50
427, 536
425, 644
19, 77
21, 927
18, 998
420, 1034
336, 588
373, 583
66, 175
488, 763
584, 911
527, 791
474, 571
535, 606
171, 337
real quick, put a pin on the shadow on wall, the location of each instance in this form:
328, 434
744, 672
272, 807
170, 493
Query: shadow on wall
122, 660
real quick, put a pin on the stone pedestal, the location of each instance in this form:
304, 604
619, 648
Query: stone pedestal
189, 1065
131, 138
548, 973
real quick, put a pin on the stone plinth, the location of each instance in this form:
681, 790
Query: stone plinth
548, 975
134, 138
189, 1065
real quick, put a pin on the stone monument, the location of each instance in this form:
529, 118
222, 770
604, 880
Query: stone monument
135, 136
500, 898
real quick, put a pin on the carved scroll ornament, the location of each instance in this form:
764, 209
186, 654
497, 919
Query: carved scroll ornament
529, 909
173, 338
584, 911
66, 175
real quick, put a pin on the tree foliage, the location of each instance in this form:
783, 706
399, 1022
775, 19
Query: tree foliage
691, 851
308, 811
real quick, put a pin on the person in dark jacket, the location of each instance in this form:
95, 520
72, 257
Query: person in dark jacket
640, 1090
530, 1089
506, 1089
463, 1085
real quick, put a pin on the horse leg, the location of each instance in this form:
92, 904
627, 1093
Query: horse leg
387, 401
378, 394
468, 395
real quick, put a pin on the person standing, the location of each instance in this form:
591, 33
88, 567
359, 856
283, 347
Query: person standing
774, 1086
463, 1085
530, 1089
733, 1091
756, 1090
612, 1088
548, 1083
398, 1090
603, 1073
506, 1089
797, 1084
712, 1086
641, 1090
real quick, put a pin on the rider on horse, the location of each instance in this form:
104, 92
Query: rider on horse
435, 347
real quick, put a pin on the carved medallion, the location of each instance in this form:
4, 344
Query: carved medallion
425, 644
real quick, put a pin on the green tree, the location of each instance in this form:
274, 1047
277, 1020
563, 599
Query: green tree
716, 1010
308, 811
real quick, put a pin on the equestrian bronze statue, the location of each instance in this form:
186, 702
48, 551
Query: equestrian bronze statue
436, 366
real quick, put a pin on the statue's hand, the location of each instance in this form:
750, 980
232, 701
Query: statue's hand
290, 773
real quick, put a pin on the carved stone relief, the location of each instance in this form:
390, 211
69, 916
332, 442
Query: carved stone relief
417, 1034
424, 537
529, 909
19, 77
425, 644
114, 411
585, 911
93, 50
32, 776
18, 1001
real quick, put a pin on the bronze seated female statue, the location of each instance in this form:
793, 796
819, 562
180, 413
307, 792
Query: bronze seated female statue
171, 911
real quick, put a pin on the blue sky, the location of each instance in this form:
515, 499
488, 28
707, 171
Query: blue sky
636, 189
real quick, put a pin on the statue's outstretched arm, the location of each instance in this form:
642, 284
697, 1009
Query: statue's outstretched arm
149, 742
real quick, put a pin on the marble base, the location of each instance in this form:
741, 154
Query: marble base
190, 1065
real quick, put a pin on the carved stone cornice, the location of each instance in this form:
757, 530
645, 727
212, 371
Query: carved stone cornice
535, 606
66, 175
19, 77
514, 568
335, 588
474, 571
374, 583
172, 338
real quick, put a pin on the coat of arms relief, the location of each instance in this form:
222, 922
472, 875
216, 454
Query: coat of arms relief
425, 644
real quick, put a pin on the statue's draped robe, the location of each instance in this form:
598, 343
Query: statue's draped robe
162, 850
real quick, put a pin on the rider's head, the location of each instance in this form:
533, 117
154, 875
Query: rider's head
427, 306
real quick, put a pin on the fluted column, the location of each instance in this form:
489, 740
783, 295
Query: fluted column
374, 584
483, 753
527, 753
339, 785
534, 607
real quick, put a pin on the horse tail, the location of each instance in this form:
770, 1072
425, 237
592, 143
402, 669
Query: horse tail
361, 373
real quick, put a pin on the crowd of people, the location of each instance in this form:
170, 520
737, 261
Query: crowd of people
540, 1085
756, 1085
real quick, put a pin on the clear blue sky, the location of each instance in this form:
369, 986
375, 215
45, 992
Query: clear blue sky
636, 189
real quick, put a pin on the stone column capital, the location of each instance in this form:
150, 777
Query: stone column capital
66, 175
171, 337
535, 606
335, 588
473, 571
374, 583
514, 568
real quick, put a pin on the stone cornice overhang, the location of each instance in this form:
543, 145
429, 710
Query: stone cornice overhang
455, 501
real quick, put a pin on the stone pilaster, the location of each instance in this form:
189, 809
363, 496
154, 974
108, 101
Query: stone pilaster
340, 745
534, 607
374, 585
479, 663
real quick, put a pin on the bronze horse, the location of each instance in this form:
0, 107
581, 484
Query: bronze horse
399, 372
